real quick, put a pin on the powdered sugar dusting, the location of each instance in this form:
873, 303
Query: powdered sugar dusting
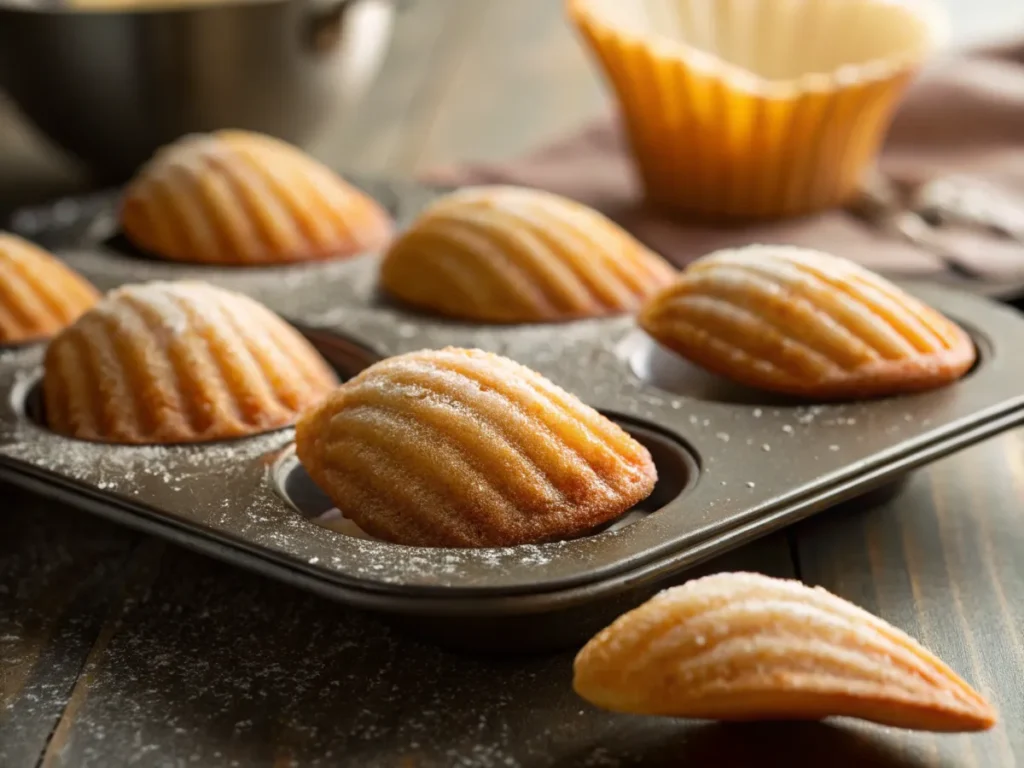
223, 489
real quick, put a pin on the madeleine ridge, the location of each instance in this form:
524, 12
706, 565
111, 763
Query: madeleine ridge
244, 199
801, 322
464, 448
742, 646
174, 362
39, 295
508, 254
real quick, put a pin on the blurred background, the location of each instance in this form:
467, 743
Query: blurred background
383, 87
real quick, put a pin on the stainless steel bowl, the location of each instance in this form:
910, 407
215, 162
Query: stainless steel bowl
110, 87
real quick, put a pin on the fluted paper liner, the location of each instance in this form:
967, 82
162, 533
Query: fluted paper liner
755, 108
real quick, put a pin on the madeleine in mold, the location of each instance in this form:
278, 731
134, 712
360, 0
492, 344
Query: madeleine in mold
244, 199
179, 362
507, 254
464, 448
39, 295
801, 322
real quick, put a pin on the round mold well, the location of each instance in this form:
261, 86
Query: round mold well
659, 367
20, 346
117, 245
346, 356
677, 465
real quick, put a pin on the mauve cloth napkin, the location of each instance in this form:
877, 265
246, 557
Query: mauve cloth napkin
949, 196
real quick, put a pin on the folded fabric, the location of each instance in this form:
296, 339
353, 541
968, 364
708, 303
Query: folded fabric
948, 199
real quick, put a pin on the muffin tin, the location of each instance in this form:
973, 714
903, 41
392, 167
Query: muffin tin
733, 463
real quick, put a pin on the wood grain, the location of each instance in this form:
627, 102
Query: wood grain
942, 561
60, 573
197, 662
205, 664
117, 650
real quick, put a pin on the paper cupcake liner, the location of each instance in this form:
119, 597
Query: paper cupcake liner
710, 135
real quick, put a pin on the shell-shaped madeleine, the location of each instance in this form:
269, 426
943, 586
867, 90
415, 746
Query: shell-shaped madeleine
741, 646
39, 295
464, 448
509, 254
241, 198
173, 362
802, 322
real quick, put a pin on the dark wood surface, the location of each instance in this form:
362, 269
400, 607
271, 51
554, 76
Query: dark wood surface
117, 649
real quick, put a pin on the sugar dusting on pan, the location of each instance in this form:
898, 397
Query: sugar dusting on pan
224, 487
532, 555
214, 667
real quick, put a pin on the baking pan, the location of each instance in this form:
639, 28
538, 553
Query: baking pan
84, 231
85, 227
733, 463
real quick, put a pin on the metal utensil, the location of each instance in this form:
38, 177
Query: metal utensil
110, 87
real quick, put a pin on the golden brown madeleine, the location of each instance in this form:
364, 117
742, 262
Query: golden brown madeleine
801, 322
463, 448
172, 362
741, 646
39, 295
510, 254
245, 199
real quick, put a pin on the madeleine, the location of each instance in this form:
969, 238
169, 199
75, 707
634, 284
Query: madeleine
39, 295
513, 255
244, 199
174, 362
802, 322
463, 448
742, 646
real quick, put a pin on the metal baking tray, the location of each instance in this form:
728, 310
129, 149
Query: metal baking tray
84, 232
85, 227
733, 463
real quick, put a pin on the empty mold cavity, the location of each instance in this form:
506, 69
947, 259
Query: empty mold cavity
345, 356
677, 472
119, 245
660, 367
18, 346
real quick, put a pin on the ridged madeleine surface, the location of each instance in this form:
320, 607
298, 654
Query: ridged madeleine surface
172, 362
509, 254
240, 198
741, 646
38, 294
463, 448
801, 322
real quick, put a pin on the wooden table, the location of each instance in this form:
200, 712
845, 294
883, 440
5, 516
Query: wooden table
117, 649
